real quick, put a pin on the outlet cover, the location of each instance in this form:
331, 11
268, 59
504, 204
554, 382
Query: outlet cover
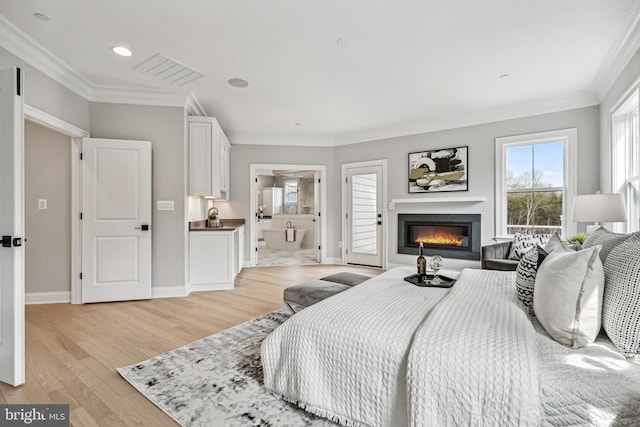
42, 204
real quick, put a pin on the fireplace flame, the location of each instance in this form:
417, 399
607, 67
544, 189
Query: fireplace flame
439, 238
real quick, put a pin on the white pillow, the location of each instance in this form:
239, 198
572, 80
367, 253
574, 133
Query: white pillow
523, 243
568, 297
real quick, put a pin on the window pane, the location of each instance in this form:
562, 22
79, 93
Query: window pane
548, 163
519, 161
547, 214
519, 212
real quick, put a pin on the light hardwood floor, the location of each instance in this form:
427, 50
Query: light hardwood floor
73, 350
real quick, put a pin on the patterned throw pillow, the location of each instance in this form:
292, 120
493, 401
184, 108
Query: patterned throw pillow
621, 306
607, 239
526, 276
523, 243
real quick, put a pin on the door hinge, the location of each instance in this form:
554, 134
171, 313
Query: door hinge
318, 247
346, 180
80, 216
318, 180
256, 179
318, 213
80, 156
19, 82
256, 249
346, 216
80, 276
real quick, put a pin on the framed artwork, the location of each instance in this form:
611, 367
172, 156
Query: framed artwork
434, 171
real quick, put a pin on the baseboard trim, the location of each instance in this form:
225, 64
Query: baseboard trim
169, 292
47, 297
337, 261
211, 287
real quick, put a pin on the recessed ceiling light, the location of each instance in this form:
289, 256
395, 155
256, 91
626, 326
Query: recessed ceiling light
504, 76
238, 83
121, 50
41, 16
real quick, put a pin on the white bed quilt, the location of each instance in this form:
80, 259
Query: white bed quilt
387, 353
344, 358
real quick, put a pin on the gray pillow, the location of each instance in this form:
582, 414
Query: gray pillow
621, 306
607, 239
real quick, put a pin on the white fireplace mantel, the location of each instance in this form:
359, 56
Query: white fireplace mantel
426, 200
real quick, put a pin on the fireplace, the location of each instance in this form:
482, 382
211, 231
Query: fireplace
448, 235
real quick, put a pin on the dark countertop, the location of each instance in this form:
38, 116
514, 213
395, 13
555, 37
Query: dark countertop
229, 224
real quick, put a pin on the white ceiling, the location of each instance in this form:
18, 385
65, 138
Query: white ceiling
410, 66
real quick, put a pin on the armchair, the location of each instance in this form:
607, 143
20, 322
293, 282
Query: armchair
494, 257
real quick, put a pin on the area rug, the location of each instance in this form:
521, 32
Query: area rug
217, 381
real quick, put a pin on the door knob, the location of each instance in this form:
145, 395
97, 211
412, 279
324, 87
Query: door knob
144, 227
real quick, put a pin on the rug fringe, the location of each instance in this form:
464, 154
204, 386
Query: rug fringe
338, 419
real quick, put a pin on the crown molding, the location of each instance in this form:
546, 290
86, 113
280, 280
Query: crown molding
508, 112
138, 96
193, 106
620, 54
36, 55
24, 47
288, 140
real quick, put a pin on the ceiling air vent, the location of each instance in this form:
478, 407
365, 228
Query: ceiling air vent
169, 70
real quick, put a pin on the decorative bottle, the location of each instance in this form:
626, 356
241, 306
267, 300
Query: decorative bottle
422, 264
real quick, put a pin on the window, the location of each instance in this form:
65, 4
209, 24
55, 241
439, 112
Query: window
536, 181
625, 160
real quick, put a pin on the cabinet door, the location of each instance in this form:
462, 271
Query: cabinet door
216, 156
211, 258
224, 167
200, 159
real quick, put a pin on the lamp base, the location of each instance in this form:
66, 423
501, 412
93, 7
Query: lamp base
592, 228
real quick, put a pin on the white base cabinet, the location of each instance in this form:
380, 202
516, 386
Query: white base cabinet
215, 257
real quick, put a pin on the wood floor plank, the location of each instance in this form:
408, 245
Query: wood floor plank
73, 350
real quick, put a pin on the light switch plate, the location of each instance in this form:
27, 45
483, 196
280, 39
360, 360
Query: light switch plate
42, 204
164, 205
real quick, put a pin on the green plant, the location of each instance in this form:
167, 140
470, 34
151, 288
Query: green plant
580, 238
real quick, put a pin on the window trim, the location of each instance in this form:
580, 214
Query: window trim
621, 127
570, 168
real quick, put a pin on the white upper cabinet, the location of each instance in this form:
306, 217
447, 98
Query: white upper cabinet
208, 158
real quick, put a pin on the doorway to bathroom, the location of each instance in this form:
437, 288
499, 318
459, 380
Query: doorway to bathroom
288, 224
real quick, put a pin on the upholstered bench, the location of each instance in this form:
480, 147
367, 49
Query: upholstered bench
311, 292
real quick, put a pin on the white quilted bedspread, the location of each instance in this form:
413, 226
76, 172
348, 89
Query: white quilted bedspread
472, 362
344, 358
591, 386
387, 353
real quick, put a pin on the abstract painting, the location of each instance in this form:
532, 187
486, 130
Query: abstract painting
438, 170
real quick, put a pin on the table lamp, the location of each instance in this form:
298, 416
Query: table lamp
598, 208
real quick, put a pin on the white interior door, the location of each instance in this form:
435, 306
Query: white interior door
12, 355
316, 219
116, 220
364, 215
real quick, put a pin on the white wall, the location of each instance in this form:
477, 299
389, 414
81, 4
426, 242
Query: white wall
165, 128
480, 139
47, 176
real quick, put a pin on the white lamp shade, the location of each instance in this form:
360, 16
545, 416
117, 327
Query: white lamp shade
599, 208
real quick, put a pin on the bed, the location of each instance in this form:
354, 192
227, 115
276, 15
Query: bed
388, 353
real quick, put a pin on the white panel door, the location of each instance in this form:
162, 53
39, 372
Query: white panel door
364, 216
12, 356
116, 220
316, 219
